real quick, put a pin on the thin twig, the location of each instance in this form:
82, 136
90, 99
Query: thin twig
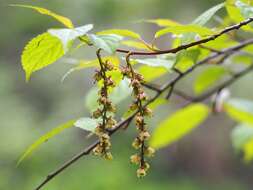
186, 46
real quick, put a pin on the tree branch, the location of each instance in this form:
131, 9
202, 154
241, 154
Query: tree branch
168, 85
186, 46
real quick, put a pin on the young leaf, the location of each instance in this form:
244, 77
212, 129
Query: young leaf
202, 31
179, 124
65, 21
156, 62
153, 106
240, 109
120, 32
68, 35
149, 74
87, 124
246, 9
45, 138
108, 43
186, 59
118, 94
208, 78
207, 15
121, 92
240, 135
242, 139
40, 52
84, 64
163, 22
134, 44
158, 102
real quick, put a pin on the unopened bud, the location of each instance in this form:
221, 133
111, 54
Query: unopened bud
135, 159
141, 172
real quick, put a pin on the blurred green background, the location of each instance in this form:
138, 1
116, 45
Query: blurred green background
203, 160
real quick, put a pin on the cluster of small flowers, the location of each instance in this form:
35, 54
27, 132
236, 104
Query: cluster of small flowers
143, 134
105, 107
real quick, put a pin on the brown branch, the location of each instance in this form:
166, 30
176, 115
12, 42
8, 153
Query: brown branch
186, 46
165, 87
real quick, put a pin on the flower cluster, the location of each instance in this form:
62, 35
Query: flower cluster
105, 110
143, 134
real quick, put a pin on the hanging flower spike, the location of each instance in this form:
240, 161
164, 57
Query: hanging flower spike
143, 135
105, 107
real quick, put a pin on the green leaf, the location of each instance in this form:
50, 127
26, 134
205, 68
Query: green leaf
178, 125
208, 78
207, 15
87, 124
240, 135
237, 12
163, 22
240, 109
153, 106
45, 138
65, 21
84, 64
246, 9
40, 52
186, 59
134, 44
120, 32
108, 43
121, 92
202, 31
248, 151
150, 73
68, 35
156, 62
118, 94
158, 102
242, 139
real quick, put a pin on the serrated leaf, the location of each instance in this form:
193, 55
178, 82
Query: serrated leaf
120, 32
178, 125
108, 43
207, 15
163, 22
208, 78
202, 31
45, 138
240, 109
64, 20
156, 62
87, 124
40, 52
68, 35
150, 73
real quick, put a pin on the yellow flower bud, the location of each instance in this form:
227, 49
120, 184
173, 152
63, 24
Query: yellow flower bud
141, 172
135, 159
